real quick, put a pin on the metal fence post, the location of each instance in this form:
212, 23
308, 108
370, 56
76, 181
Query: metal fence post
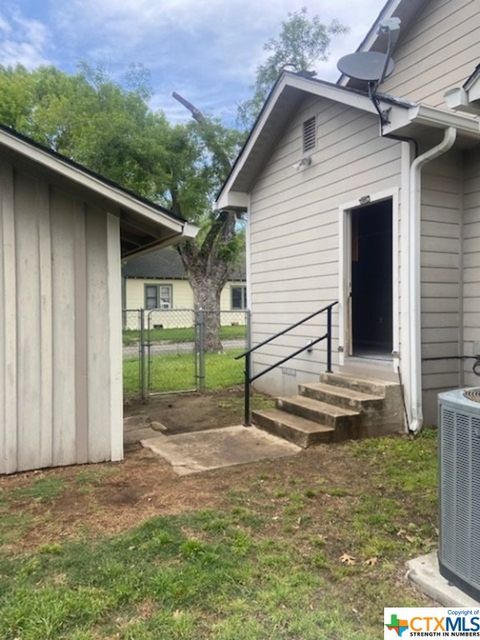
143, 380
201, 350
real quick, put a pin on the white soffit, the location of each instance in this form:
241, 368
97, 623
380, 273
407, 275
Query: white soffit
403, 123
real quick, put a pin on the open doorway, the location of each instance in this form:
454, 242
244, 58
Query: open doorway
371, 280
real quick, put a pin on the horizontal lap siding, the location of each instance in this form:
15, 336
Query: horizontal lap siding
56, 393
440, 50
294, 226
441, 281
471, 248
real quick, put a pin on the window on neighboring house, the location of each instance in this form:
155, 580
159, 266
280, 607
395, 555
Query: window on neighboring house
309, 134
158, 296
239, 297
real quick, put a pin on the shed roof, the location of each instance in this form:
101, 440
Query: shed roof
165, 263
143, 223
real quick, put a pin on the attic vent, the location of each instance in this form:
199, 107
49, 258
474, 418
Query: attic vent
309, 134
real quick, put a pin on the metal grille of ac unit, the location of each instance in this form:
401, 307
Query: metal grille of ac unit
459, 552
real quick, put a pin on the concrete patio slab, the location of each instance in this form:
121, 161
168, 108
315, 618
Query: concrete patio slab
217, 448
423, 571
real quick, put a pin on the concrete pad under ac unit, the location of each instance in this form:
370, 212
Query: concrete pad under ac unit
424, 573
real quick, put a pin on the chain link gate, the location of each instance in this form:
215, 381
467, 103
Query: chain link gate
133, 334
173, 351
164, 351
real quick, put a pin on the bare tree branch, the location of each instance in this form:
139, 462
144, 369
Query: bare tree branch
208, 133
196, 113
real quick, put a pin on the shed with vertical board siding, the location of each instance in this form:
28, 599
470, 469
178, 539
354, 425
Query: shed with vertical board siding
63, 231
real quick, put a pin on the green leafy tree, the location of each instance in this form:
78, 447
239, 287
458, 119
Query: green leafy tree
301, 43
111, 130
85, 117
210, 258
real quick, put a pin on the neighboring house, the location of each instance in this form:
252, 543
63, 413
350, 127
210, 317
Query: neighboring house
158, 281
384, 218
63, 232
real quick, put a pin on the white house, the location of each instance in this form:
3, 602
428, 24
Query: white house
63, 231
383, 217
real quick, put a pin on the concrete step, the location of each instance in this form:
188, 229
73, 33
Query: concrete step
363, 385
293, 428
341, 396
317, 411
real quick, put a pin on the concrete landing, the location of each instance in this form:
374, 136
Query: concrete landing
217, 448
424, 573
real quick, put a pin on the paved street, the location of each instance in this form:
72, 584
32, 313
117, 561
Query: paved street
157, 348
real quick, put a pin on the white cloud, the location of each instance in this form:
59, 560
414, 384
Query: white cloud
234, 31
210, 48
22, 41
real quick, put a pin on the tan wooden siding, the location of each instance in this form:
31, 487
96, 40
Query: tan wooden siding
294, 230
471, 272
60, 375
438, 52
441, 277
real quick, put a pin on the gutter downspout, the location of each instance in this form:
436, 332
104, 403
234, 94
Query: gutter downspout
416, 167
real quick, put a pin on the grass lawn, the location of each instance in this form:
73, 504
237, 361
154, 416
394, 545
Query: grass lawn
172, 372
182, 334
309, 548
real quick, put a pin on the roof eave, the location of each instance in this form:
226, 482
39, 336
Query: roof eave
228, 195
138, 211
76, 175
430, 117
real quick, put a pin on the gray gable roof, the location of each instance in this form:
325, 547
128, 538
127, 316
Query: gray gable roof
164, 263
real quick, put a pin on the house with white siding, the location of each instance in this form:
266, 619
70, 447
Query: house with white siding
157, 280
374, 208
63, 233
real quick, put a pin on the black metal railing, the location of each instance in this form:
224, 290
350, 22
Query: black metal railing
247, 355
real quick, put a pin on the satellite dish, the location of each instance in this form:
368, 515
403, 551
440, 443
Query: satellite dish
366, 65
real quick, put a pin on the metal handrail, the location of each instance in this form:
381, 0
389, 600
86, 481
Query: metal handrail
292, 326
247, 354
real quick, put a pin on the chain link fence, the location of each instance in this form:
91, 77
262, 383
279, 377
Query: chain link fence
179, 350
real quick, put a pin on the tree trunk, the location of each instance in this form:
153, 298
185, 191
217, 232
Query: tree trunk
208, 264
208, 270
206, 296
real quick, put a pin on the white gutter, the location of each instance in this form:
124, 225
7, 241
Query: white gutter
189, 230
447, 143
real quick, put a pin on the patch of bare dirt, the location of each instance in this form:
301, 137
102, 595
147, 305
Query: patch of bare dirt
143, 486
183, 412
323, 482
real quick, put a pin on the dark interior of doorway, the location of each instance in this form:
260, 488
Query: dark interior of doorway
372, 299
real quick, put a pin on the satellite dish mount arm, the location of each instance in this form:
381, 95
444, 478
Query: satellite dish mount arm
390, 27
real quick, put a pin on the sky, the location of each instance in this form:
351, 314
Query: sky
206, 50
